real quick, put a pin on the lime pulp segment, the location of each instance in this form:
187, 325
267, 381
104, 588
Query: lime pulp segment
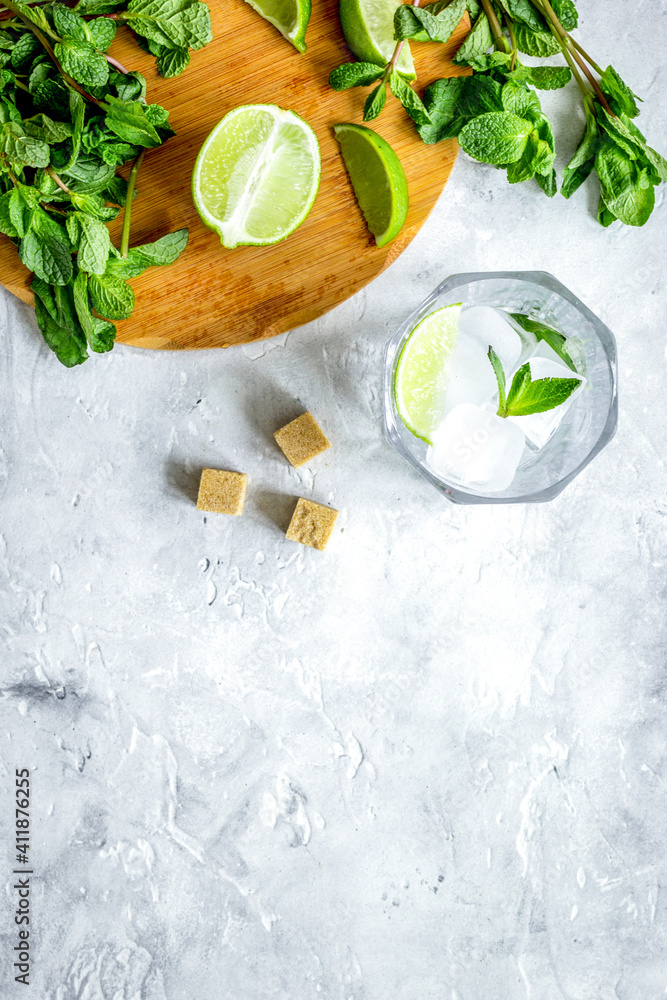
368, 26
256, 175
290, 17
378, 179
422, 371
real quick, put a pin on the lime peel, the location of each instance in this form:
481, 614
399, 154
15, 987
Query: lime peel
290, 17
378, 179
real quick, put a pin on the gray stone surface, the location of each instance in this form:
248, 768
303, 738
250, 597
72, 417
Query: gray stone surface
429, 763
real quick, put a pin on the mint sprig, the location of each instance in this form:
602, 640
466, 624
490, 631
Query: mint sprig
70, 115
527, 395
495, 113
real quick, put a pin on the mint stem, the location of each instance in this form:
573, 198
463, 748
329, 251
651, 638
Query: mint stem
54, 176
563, 38
131, 182
494, 24
391, 65
510, 31
584, 53
116, 65
499, 372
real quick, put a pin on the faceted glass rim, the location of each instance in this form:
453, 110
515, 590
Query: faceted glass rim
391, 418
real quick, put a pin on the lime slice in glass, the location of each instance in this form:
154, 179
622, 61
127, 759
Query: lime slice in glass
256, 175
290, 17
422, 372
368, 26
378, 179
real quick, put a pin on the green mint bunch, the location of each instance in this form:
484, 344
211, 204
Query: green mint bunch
496, 114
70, 116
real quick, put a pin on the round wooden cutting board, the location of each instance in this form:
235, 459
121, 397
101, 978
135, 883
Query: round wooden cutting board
213, 297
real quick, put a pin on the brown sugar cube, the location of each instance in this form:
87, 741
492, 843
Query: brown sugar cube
312, 524
222, 492
302, 439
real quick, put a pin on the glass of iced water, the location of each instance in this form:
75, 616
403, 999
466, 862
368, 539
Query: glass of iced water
474, 456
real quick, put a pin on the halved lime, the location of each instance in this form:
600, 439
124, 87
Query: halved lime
377, 177
256, 175
290, 17
368, 26
422, 372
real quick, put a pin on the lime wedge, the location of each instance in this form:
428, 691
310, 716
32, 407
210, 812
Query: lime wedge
368, 26
377, 177
422, 372
290, 17
256, 175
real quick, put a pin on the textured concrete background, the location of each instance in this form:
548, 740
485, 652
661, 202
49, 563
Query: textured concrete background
429, 763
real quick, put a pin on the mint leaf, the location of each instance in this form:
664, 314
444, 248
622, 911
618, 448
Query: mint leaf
526, 397
497, 137
497, 366
82, 61
99, 333
548, 183
535, 43
24, 52
127, 120
436, 21
67, 23
42, 127
523, 12
583, 161
620, 97
375, 102
556, 341
605, 216
355, 74
94, 204
94, 7
521, 101
102, 32
626, 135
164, 251
111, 296
22, 148
68, 345
566, 13
90, 237
542, 77
409, 99
172, 61
441, 101
626, 188
185, 23
45, 249
6, 225
451, 103
476, 44
88, 175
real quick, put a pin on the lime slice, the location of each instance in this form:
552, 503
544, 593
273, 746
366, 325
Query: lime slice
368, 26
256, 175
290, 17
378, 179
422, 372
